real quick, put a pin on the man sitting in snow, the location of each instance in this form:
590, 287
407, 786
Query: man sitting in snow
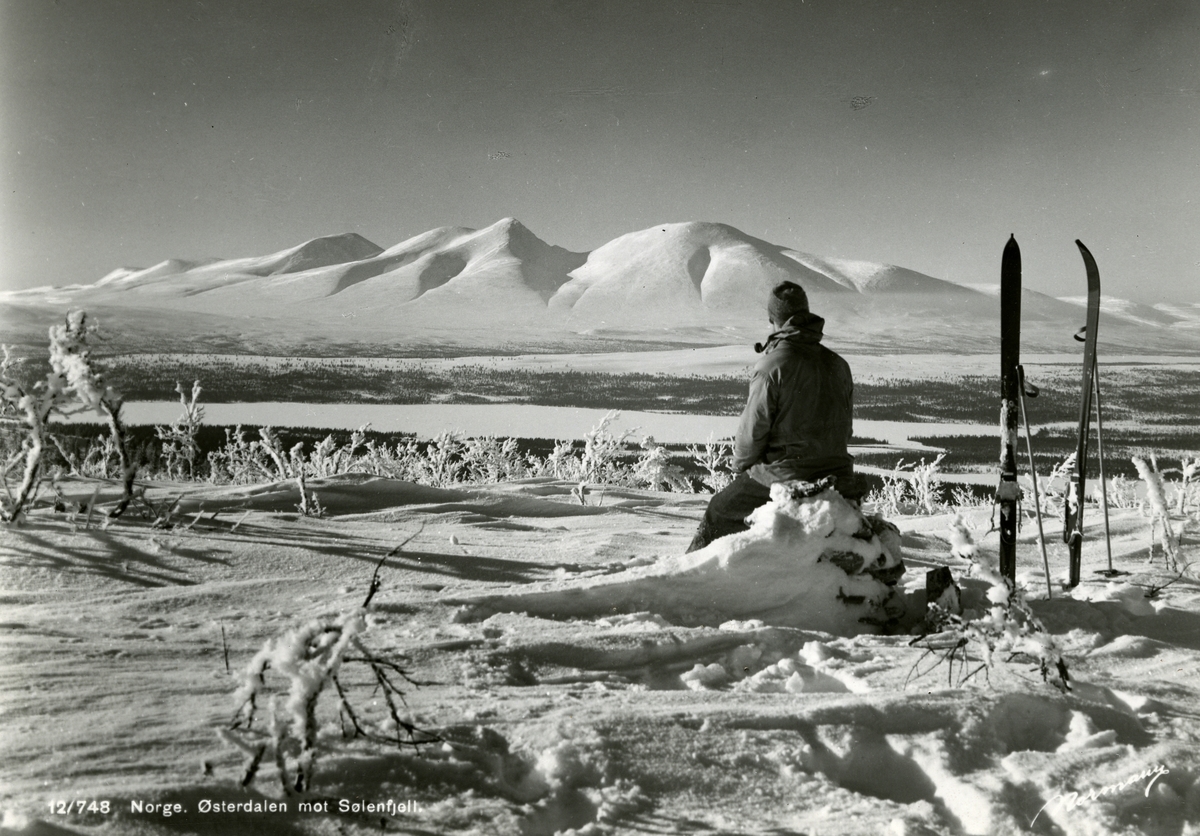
797, 420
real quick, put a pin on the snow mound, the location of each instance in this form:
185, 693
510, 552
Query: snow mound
1133, 599
792, 676
810, 560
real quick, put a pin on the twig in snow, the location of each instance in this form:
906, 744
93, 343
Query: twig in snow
375, 580
311, 657
253, 764
91, 509
1152, 589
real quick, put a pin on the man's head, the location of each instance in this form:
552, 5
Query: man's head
787, 299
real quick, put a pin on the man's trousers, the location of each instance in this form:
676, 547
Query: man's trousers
728, 509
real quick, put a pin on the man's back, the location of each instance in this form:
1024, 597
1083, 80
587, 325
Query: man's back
798, 419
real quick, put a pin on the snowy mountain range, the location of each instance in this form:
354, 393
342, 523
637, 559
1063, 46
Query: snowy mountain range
502, 287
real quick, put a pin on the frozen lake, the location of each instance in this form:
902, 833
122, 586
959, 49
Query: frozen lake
502, 419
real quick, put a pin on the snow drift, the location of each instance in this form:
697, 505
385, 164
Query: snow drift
810, 560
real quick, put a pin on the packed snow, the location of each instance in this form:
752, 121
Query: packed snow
810, 560
569, 684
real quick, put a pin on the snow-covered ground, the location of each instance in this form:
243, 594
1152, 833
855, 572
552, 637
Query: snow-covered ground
123, 646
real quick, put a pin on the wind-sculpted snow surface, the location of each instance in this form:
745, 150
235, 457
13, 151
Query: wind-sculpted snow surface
122, 638
812, 562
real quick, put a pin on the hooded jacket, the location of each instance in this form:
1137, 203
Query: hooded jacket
798, 417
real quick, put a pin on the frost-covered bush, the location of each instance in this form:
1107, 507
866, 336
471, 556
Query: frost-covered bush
715, 458
1006, 629
602, 451
72, 385
490, 460
1055, 490
179, 445
889, 499
927, 484
912, 488
562, 463
442, 462
1122, 493
965, 498
1158, 512
1188, 487
291, 673
654, 468
239, 461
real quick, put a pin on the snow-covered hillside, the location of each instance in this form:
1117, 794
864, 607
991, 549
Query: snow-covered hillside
685, 708
502, 286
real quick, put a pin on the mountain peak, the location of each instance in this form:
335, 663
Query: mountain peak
323, 252
699, 279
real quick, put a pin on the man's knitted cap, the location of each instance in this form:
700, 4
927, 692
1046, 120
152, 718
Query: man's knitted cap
787, 300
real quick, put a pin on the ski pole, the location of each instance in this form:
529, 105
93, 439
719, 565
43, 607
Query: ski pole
1100, 451
1037, 501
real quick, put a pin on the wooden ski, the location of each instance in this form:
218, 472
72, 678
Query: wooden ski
1008, 494
1073, 513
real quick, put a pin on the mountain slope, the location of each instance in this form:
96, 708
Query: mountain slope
687, 273
503, 287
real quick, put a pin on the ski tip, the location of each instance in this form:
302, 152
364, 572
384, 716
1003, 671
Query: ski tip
1088, 259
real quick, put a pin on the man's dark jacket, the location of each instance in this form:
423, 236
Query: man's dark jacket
797, 421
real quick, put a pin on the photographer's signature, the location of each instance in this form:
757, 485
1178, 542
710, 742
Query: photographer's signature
1071, 800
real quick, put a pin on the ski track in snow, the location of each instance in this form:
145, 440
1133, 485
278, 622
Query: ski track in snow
115, 678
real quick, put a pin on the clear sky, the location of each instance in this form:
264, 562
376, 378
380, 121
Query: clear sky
914, 133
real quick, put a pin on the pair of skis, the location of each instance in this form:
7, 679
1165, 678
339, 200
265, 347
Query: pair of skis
1013, 390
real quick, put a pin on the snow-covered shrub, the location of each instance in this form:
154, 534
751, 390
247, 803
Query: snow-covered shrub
965, 498
324, 459
927, 484
328, 459
442, 462
911, 488
1007, 628
291, 673
1122, 493
890, 499
100, 460
602, 451
1055, 491
390, 462
239, 461
654, 468
72, 385
1159, 515
715, 459
1188, 486
563, 462
179, 444
489, 460
287, 465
